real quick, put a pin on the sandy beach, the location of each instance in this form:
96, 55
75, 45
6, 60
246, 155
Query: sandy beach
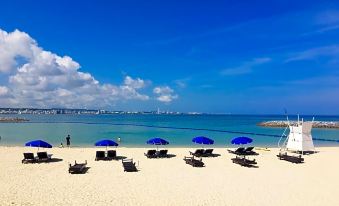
168, 181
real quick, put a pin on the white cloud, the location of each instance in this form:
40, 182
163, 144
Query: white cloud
182, 83
39, 78
165, 94
322, 22
13, 45
134, 83
327, 51
3, 91
246, 67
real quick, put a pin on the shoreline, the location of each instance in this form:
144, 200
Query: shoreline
216, 146
165, 147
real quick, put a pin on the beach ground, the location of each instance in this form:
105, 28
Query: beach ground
168, 181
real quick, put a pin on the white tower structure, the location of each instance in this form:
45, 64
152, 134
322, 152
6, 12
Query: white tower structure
300, 138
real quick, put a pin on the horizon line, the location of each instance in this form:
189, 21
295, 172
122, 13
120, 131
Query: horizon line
168, 111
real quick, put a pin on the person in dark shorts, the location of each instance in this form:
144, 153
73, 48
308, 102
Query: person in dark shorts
68, 140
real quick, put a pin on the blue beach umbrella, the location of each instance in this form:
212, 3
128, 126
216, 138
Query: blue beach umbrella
38, 144
202, 140
241, 140
106, 143
157, 141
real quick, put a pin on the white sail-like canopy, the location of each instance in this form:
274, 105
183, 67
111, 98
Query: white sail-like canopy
300, 137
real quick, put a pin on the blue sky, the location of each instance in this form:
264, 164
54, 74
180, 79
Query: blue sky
204, 56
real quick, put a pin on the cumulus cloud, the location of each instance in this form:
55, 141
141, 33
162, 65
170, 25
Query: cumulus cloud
246, 67
14, 45
3, 91
165, 94
134, 83
40, 78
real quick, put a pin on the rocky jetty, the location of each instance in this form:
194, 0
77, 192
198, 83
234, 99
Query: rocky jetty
316, 124
12, 119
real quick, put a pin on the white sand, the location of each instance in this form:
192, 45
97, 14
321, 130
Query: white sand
169, 181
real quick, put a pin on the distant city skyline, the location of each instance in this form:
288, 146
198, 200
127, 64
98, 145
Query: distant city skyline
81, 111
209, 57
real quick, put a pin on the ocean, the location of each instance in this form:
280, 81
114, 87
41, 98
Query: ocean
135, 130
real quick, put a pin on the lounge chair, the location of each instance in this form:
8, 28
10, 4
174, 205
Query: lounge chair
197, 153
151, 154
290, 158
238, 151
194, 162
162, 153
129, 165
249, 151
208, 153
43, 157
111, 155
77, 168
28, 158
100, 155
244, 162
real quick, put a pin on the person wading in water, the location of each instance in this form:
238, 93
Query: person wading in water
68, 140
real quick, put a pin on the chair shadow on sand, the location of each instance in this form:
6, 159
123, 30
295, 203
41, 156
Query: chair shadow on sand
250, 166
170, 155
213, 155
84, 171
120, 157
55, 160
247, 165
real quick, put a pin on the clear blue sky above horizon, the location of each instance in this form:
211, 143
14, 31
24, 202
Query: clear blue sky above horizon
204, 56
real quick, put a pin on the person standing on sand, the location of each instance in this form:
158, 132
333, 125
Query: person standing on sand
68, 140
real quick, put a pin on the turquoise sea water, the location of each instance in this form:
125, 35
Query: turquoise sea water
135, 130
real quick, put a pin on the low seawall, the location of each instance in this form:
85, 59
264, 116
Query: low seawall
316, 124
12, 120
